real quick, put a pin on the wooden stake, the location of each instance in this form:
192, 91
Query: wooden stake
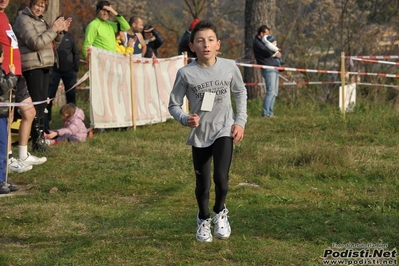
343, 82
132, 91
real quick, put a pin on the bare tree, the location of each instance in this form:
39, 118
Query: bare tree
257, 13
313, 33
196, 7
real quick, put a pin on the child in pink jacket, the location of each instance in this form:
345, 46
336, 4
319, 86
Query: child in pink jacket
74, 129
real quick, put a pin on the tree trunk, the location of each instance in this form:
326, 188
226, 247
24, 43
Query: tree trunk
52, 12
257, 13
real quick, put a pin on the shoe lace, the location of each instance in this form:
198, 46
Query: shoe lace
32, 157
205, 227
16, 163
221, 218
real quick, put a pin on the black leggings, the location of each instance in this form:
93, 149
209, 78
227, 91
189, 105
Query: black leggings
37, 81
221, 151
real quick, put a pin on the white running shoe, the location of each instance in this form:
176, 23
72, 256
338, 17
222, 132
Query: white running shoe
222, 225
204, 233
17, 166
33, 160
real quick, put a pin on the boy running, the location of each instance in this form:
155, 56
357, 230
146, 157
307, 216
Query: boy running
207, 82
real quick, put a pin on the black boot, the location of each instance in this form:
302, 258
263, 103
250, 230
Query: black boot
34, 131
37, 135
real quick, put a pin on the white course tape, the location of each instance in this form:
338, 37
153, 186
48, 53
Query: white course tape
85, 76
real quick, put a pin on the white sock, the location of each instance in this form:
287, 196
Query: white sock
22, 152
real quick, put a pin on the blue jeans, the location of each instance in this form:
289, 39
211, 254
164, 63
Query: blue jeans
3, 147
271, 79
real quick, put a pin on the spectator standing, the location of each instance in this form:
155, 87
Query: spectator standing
184, 41
7, 83
271, 43
101, 32
267, 57
66, 70
153, 40
37, 41
136, 27
120, 39
208, 83
19, 11
7, 40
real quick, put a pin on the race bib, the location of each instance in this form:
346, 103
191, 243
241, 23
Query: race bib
14, 40
207, 101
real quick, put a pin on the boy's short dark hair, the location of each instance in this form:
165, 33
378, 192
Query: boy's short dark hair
1, 49
203, 25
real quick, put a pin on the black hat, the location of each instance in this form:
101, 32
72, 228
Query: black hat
100, 5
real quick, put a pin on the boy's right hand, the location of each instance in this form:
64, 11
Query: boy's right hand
193, 120
12, 69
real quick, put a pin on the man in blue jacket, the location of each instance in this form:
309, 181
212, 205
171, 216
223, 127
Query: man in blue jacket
264, 56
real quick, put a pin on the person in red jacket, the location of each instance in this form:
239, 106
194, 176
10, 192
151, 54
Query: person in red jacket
7, 40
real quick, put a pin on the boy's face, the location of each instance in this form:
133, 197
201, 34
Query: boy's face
1, 58
205, 44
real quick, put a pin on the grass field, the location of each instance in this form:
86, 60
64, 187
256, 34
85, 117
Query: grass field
127, 197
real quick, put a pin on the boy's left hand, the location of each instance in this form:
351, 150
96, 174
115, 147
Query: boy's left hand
237, 133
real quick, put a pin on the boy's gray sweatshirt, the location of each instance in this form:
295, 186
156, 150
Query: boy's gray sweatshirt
193, 81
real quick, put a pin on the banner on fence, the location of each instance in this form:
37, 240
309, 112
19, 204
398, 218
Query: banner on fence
111, 80
350, 97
